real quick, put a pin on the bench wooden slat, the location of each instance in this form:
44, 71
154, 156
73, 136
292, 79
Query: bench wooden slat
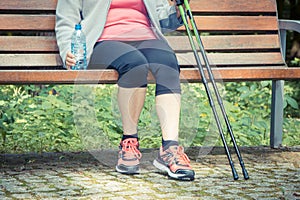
235, 59
30, 60
196, 5
229, 42
236, 23
110, 76
28, 44
28, 5
205, 23
233, 6
250, 74
231, 59
27, 22
178, 43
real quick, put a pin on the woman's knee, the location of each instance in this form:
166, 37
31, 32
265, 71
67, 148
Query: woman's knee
167, 80
133, 70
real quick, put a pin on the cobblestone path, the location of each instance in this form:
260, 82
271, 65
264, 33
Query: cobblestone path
274, 174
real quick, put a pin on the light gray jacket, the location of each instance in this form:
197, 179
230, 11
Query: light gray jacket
92, 16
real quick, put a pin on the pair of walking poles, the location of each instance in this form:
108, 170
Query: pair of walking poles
187, 12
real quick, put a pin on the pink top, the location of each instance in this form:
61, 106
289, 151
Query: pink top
127, 21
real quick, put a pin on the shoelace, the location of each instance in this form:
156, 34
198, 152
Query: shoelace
180, 157
130, 145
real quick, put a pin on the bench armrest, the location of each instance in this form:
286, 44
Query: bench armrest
292, 25
287, 25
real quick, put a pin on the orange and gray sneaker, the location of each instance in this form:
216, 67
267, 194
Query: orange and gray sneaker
175, 162
129, 157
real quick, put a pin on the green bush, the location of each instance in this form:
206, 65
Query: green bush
37, 122
80, 117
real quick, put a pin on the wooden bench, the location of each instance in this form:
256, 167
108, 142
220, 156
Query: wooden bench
242, 38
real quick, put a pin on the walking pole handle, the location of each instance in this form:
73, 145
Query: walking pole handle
179, 2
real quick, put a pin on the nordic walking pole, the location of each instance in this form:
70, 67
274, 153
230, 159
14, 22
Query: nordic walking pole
182, 13
219, 99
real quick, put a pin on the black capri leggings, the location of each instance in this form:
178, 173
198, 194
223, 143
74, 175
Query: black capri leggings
133, 60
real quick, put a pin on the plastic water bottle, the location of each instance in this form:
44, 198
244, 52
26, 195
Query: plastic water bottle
78, 48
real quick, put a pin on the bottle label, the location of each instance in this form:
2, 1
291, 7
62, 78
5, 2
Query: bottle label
78, 49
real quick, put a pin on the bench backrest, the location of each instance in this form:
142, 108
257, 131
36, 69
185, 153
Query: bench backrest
235, 33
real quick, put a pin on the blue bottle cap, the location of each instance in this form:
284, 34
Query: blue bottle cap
78, 27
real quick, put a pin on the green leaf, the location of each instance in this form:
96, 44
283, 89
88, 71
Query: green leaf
46, 105
292, 102
2, 103
265, 83
243, 89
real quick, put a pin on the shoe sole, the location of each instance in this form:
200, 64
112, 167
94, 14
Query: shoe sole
162, 167
129, 170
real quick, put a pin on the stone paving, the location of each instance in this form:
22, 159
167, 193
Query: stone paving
274, 174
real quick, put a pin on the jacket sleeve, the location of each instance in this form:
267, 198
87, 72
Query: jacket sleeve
68, 13
167, 16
